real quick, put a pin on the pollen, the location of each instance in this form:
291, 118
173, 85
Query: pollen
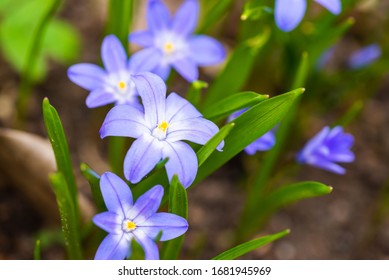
168, 48
163, 126
128, 226
122, 85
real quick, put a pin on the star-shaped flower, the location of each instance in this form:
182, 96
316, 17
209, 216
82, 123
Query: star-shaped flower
326, 148
159, 130
112, 84
126, 220
169, 42
289, 13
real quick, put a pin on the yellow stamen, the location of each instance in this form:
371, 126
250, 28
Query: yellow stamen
168, 48
163, 126
130, 225
122, 85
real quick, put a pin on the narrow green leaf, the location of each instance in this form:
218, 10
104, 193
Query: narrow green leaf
249, 246
249, 126
94, 182
210, 147
243, 58
178, 204
116, 153
213, 14
61, 150
37, 250
351, 114
119, 19
292, 193
69, 218
233, 103
302, 72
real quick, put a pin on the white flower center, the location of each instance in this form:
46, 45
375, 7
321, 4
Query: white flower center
128, 226
160, 131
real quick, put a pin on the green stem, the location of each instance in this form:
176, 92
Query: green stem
120, 18
29, 66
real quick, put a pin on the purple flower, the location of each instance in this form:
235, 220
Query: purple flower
126, 220
263, 143
326, 148
160, 130
112, 84
289, 13
364, 56
169, 42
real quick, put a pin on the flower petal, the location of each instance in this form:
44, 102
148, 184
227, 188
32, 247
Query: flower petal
187, 68
197, 130
264, 143
152, 90
109, 221
116, 193
289, 13
171, 226
158, 16
113, 54
163, 71
185, 19
334, 6
206, 50
142, 157
312, 144
146, 205
124, 120
365, 56
149, 246
99, 97
145, 60
114, 247
326, 165
142, 38
178, 108
87, 75
182, 161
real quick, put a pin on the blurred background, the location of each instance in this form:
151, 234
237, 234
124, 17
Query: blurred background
350, 223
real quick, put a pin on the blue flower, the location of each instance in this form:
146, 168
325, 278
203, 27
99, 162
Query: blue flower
365, 56
126, 220
160, 130
289, 13
112, 84
263, 143
326, 148
169, 42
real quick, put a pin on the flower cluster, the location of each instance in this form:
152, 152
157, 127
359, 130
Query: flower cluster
160, 124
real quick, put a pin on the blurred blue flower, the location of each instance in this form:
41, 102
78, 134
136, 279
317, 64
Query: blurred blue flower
112, 84
160, 130
289, 13
364, 56
326, 148
263, 143
169, 42
125, 220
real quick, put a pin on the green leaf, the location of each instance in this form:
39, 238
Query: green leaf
210, 147
249, 246
60, 147
119, 19
232, 103
178, 204
94, 182
213, 14
249, 126
242, 60
69, 220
